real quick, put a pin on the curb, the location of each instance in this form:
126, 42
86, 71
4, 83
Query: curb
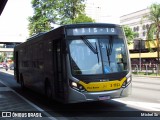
11, 72
145, 76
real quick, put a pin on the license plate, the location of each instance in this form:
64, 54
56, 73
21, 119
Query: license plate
104, 97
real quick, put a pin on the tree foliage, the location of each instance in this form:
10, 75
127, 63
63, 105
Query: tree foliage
48, 12
39, 22
1, 58
154, 17
83, 18
130, 35
70, 9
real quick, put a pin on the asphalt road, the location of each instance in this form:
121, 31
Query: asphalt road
145, 98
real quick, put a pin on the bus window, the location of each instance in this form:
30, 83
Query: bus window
83, 60
113, 54
98, 56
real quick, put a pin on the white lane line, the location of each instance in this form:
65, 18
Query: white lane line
144, 105
32, 104
5, 89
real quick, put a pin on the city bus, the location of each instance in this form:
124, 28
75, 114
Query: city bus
76, 63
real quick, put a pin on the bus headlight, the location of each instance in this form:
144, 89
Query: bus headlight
77, 86
127, 82
74, 84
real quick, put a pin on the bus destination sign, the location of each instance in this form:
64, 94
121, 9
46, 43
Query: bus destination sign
92, 31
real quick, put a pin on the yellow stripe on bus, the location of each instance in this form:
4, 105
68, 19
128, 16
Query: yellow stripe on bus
103, 86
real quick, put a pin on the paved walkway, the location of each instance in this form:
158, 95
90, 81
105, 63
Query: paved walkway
16, 107
8, 71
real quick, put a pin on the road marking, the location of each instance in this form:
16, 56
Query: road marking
144, 105
32, 104
5, 89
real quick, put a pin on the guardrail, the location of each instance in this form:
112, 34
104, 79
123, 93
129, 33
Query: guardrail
145, 68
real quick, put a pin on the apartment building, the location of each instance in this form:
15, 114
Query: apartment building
138, 23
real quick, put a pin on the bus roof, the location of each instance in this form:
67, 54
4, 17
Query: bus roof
36, 35
91, 25
76, 26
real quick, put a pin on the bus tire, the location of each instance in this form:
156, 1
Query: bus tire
22, 82
48, 90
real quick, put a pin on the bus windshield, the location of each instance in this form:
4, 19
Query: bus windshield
98, 55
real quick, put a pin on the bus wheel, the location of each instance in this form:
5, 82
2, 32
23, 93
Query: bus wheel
48, 91
22, 82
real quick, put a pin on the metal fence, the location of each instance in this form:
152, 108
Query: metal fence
145, 68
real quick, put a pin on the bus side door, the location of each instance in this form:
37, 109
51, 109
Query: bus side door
58, 69
16, 69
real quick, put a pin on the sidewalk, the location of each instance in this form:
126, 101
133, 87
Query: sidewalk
149, 76
11, 72
15, 106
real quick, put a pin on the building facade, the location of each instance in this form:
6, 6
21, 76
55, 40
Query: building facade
139, 50
137, 22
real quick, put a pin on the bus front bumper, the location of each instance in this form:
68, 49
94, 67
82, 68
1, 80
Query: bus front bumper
76, 96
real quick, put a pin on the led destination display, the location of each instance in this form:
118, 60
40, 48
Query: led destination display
93, 31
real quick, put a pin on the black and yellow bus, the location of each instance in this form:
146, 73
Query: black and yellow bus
76, 63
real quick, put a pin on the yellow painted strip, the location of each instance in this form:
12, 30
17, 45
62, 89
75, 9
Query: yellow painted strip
103, 86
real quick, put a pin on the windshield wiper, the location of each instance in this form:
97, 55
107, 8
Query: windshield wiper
92, 48
109, 48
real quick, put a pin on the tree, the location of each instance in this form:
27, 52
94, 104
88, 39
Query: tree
39, 22
154, 17
130, 35
47, 12
1, 58
69, 10
82, 18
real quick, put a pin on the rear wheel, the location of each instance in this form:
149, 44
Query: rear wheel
22, 82
48, 90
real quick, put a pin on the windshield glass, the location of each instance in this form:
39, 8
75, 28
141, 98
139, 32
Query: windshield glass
101, 55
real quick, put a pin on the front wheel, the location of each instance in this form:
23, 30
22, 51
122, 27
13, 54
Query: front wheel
22, 82
48, 91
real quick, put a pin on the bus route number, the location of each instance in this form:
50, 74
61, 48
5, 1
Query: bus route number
115, 85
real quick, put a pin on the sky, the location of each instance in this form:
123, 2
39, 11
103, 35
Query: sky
14, 18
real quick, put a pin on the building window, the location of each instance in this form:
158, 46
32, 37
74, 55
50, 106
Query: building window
147, 26
137, 35
144, 33
137, 28
144, 27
